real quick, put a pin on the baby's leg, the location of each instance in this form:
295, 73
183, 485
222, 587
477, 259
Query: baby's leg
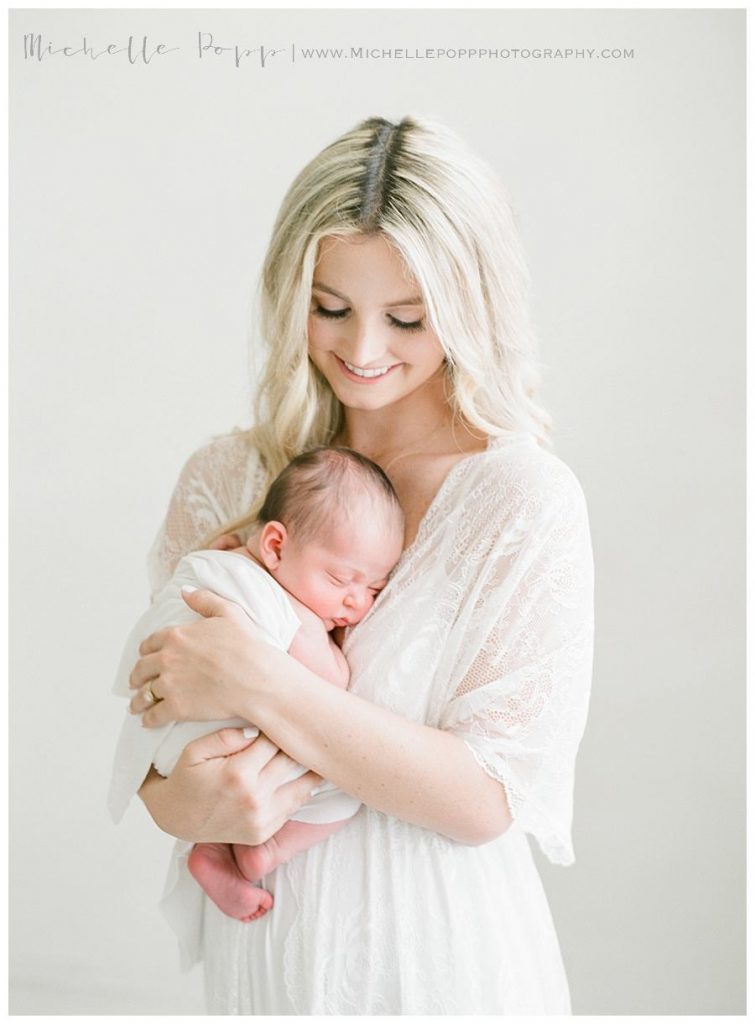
294, 837
214, 867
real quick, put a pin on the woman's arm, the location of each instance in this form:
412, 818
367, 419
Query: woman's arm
423, 775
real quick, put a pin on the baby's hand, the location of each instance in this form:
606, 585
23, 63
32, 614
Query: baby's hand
226, 542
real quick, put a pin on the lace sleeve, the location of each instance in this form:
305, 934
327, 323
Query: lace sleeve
521, 705
218, 483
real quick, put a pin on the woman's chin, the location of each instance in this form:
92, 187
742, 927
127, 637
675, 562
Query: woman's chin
352, 398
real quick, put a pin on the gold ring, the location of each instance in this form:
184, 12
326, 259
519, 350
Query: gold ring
149, 694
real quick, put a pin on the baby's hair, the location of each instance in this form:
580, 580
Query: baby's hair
315, 487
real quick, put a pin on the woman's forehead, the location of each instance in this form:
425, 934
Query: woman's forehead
364, 261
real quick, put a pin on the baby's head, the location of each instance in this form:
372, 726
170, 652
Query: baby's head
330, 531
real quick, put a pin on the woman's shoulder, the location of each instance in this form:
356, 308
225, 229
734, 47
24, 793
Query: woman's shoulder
218, 483
232, 451
227, 471
518, 476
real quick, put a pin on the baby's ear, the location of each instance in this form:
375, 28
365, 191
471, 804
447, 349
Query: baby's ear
272, 541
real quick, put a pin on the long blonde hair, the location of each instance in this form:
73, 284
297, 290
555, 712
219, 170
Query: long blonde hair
448, 215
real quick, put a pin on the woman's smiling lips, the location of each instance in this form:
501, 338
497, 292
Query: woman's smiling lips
365, 376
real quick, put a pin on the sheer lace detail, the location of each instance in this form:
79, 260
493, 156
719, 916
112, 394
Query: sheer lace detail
219, 482
500, 585
521, 702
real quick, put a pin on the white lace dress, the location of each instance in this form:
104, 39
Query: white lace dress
485, 630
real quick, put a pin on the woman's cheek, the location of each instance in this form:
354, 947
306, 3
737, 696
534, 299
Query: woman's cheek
317, 334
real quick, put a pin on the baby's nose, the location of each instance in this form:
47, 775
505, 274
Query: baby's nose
357, 602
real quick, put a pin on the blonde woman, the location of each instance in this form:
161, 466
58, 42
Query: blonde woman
394, 307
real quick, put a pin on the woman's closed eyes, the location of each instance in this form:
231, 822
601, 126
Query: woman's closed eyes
339, 314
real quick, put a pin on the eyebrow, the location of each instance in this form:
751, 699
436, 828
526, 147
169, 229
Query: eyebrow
415, 300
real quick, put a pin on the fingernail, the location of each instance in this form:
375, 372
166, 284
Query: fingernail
187, 589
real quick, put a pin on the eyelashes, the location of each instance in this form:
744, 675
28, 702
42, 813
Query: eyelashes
337, 582
339, 314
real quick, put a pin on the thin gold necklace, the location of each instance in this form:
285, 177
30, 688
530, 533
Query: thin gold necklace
415, 451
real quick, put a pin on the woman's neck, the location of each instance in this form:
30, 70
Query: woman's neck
423, 420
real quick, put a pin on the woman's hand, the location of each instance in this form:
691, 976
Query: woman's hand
226, 542
227, 788
201, 671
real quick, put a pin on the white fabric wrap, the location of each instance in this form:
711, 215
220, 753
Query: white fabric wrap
238, 579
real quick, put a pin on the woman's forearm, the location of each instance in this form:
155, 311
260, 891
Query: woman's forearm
214, 669
423, 775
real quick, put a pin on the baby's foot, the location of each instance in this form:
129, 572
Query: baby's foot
257, 861
214, 867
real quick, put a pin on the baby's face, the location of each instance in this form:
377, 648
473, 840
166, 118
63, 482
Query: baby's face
340, 576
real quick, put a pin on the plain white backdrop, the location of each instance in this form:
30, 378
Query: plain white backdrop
142, 198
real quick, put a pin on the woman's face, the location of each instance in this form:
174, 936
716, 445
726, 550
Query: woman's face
367, 326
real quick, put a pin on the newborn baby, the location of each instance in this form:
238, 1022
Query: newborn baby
321, 548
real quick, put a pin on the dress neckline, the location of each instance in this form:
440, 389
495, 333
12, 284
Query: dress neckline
422, 527
493, 444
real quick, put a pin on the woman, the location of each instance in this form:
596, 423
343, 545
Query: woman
394, 307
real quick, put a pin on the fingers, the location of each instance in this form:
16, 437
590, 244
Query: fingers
261, 759
297, 793
222, 743
260, 753
226, 542
206, 603
153, 715
145, 697
149, 665
154, 642
146, 668
277, 770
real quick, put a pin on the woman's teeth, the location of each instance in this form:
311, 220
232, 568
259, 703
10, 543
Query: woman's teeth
366, 373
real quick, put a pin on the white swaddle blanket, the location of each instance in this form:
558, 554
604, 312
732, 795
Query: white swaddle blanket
242, 581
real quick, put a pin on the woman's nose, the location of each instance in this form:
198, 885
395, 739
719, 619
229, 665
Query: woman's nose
364, 344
